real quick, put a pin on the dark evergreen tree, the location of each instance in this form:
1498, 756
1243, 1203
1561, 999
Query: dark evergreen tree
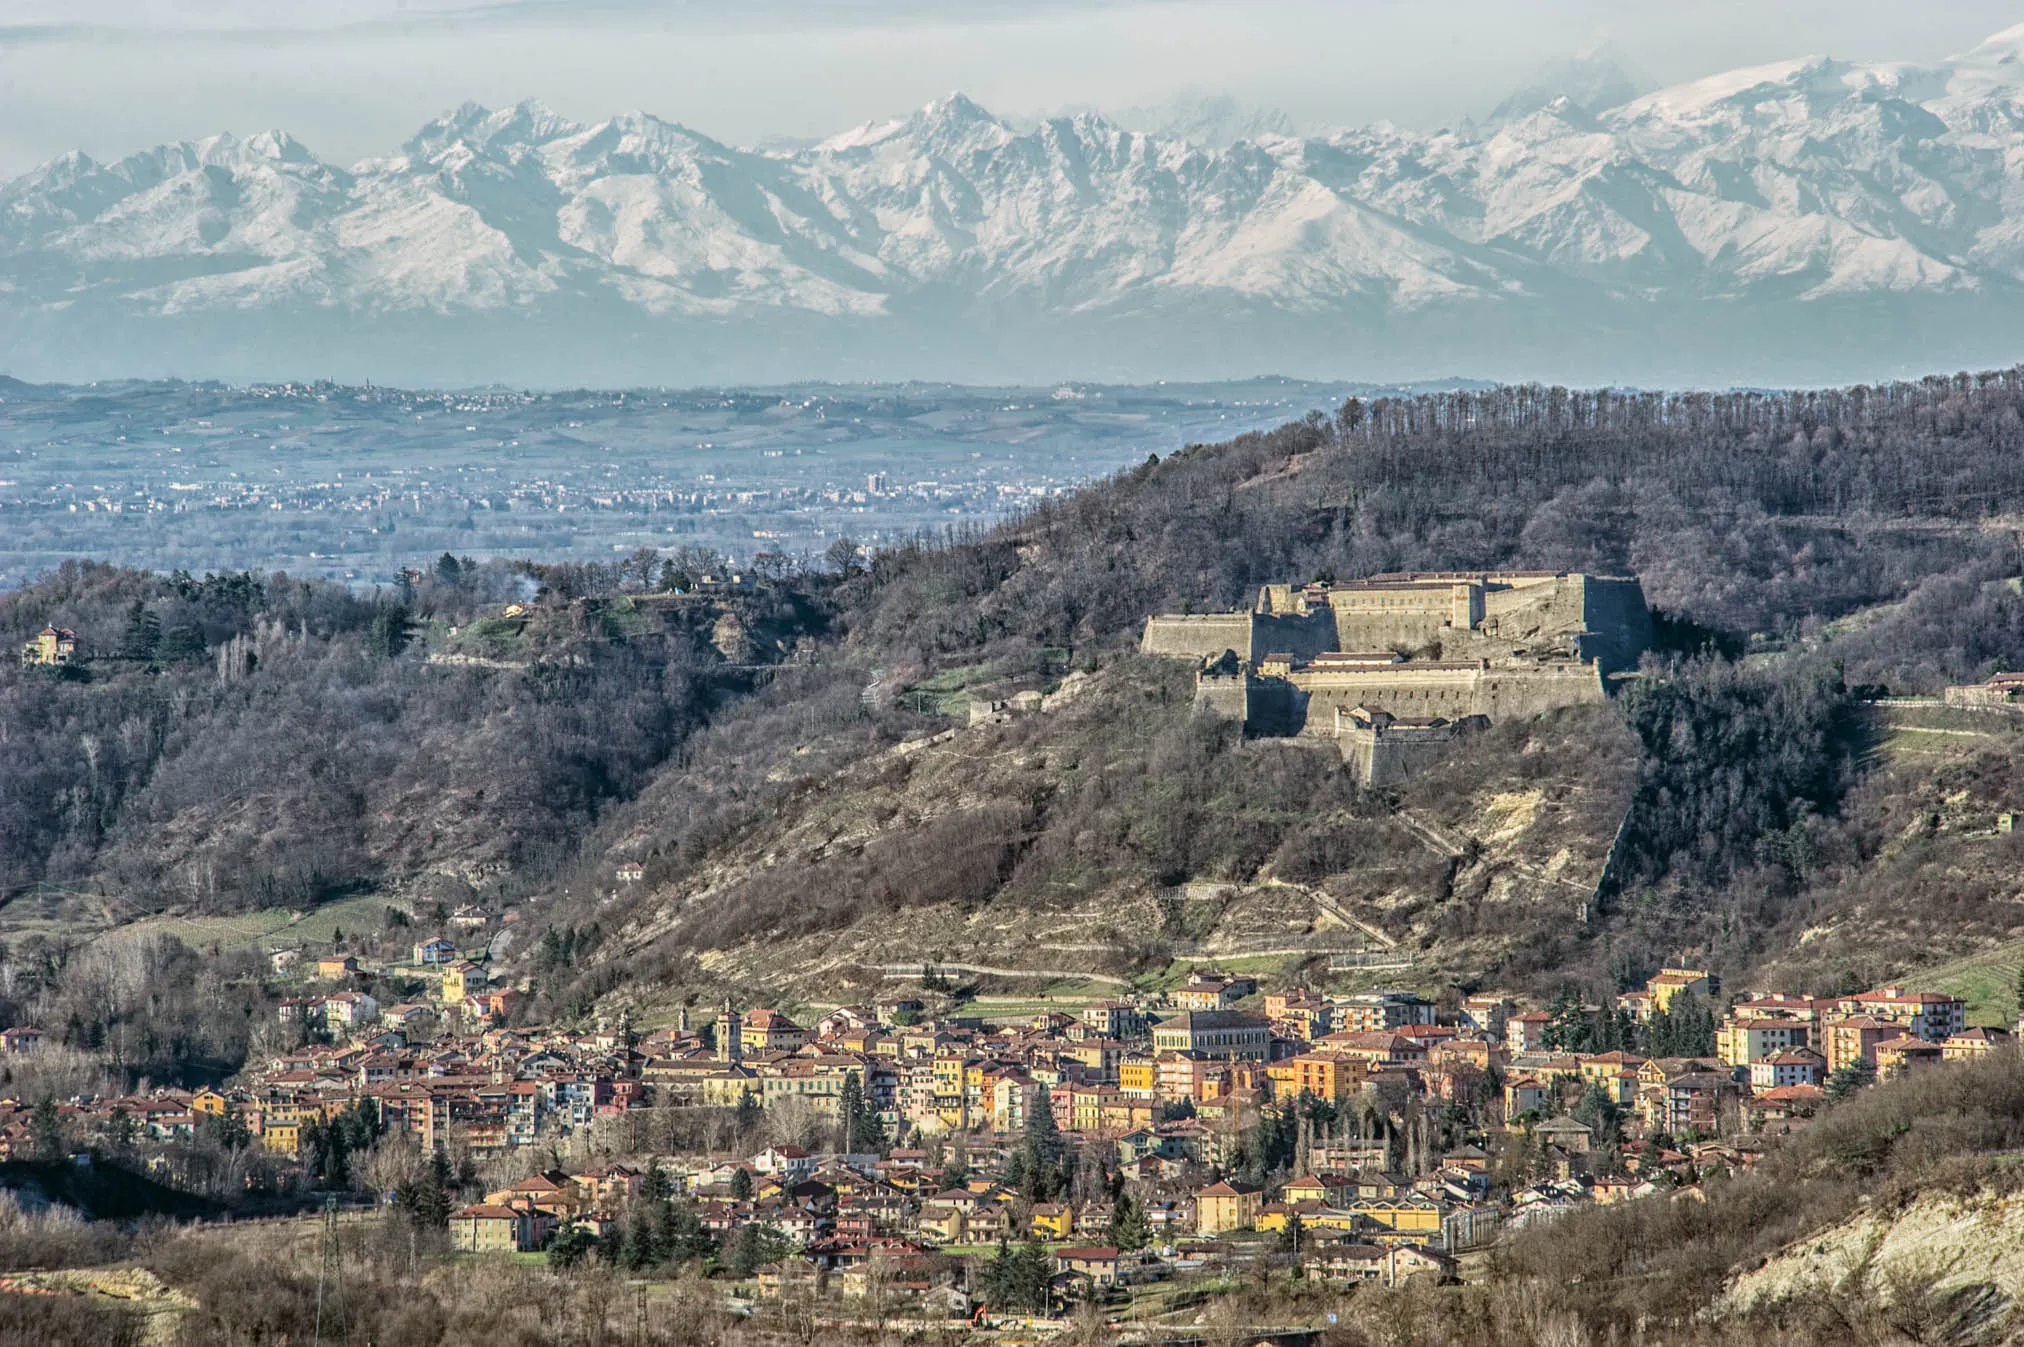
1844, 1081
1128, 1227
46, 1137
569, 1246
143, 633
389, 632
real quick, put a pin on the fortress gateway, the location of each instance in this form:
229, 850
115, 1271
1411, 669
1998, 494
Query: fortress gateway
1393, 667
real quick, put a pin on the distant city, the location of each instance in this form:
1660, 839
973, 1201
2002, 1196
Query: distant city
351, 482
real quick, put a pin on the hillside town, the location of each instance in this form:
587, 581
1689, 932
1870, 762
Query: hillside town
1373, 1135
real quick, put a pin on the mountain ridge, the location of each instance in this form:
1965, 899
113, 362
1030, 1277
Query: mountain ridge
1870, 205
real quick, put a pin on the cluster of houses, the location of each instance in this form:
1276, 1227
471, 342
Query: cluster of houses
847, 1213
1161, 1091
458, 987
1771, 1058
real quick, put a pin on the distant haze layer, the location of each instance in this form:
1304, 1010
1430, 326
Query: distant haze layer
1807, 221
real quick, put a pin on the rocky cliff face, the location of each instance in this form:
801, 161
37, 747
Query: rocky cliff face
1952, 1258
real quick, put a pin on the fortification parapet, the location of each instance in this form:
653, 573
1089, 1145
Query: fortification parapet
1382, 750
1421, 647
1201, 636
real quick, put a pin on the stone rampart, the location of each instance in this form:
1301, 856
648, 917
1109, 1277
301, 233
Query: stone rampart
1619, 623
1391, 617
1225, 695
1447, 690
1459, 615
1304, 635
1252, 636
1197, 635
1384, 755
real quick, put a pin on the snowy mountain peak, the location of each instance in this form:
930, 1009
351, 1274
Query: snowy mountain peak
279, 146
1998, 49
1713, 213
1591, 81
954, 108
479, 129
1212, 121
956, 123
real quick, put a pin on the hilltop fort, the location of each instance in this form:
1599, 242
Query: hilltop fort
1393, 667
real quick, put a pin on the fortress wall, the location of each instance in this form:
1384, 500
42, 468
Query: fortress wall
1528, 692
1228, 698
1358, 748
1502, 602
1198, 636
1429, 692
1450, 693
1392, 630
1306, 635
1509, 593
1280, 599
1387, 757
1538, 609
1273, 707
1616, 611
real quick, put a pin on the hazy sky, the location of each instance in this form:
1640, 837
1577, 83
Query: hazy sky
356, 77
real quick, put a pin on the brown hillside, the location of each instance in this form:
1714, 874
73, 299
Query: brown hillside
1115, 833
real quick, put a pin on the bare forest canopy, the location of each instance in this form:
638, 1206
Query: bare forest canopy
255, 741
249, 741
1752, 513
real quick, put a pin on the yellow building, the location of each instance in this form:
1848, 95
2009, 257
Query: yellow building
52, 645
209, 1101
948, 1076
1401, 1215
1896, 1056
724, 1088
1673, 982
1226, 1206
1973, 1043
1332, 1076
283, 1138
763, 1031
487, 1228
1137, 1077
1053, 1220
1312, 1188
461, 979
944, 1225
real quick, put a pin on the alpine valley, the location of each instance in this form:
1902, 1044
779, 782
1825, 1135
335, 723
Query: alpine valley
1803, 221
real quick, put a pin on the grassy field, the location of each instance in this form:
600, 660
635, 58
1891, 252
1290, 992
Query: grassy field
1266, 968
1986, 981
271, 925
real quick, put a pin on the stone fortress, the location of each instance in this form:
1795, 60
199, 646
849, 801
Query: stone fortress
1392, 668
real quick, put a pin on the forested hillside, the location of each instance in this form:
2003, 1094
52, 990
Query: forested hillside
1803, 548
255, 741
246, 740
1754, 513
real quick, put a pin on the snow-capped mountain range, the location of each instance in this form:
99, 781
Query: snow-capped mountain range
1812, 218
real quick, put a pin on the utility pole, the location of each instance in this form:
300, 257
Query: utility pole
329, 1275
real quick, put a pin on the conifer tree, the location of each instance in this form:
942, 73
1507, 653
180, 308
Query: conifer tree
1128, 1228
